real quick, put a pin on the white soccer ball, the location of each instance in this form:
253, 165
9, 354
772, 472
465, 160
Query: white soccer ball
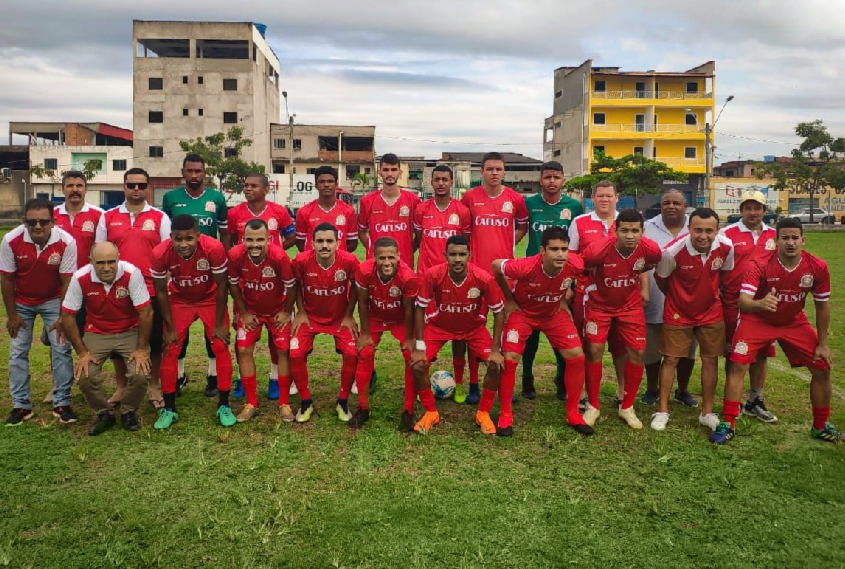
442, 384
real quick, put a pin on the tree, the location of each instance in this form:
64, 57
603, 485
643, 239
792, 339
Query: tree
90, 168
361, 181
222, 155
633, 174
815, 164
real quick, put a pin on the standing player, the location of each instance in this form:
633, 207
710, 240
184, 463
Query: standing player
208, 207
771, 301
453, 303
281, 232
499, 222
751, 237
324, 305
137, 228
550, 208
615, 298
387, 288
538, 302
198, 290
326, 209
262, 286
435, 221
689, 275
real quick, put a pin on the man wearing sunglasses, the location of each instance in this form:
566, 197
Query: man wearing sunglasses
37, 261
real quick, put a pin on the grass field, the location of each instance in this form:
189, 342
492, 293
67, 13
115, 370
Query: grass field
267, 494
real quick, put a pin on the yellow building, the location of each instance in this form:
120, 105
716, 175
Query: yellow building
661, 115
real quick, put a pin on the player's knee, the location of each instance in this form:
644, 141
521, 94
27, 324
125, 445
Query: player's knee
594, 352
368, 354
636, 357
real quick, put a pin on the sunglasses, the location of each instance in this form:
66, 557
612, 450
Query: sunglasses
41, 222
138, 185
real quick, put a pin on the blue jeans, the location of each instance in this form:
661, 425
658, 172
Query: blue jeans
19, 356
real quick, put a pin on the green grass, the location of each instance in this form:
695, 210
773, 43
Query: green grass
267, 494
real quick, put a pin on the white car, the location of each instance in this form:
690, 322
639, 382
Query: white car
819, 216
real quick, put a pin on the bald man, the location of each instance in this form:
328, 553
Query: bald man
118, 321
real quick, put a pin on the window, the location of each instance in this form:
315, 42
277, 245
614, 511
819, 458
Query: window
597, 149
601, 87
199, 112
297, 144
639, 150
230, 152
598, 118
151, 47
199, 80
310, 170
255, 53
279, 143
156, 151
118, 165
230, 118
184, 79
230, 84
366, 170
184, 112
692, 86
156, 116
558, 124
691, 119
556, 153
156, 84
654, 152
51, 163
690, 152
222, 49
278, 168
558, 94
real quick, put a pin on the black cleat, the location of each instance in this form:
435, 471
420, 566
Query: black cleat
360, 417
528, 391
181, 383
130, 421
406, 424
583, 429
561, 387
105, 421
504, 431
211, 386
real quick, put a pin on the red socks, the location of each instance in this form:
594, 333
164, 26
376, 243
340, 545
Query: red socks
299, 372
633, 379
593, 382
458, 365
347, 376
820, 416
426, 399
573, 378
250, 388
284, 390
730, 409
506, 394
488, 396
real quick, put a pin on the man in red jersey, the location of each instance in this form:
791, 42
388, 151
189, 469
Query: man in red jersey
118, 319
615, 297
452, 305
281, 232
387, 288
537, 301
137, 228
262, 285
689, 274
327, 209
198, 290
388, 212
751, 238
324, 305
499, 221
771, 303
435, 221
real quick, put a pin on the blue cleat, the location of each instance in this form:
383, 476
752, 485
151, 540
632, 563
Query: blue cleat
238, 391
273, 389
474, 395
722, 434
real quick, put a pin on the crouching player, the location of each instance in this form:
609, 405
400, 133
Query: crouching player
262, 286
198, 290
771, 305
614, 298
452, 305
387, 288
325, 301
538, 302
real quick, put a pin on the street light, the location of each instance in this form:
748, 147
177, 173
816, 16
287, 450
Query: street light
708, 147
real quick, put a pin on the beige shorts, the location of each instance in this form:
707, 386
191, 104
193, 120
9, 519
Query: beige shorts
652, 347
676, 341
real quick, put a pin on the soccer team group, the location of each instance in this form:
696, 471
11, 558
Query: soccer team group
654, 292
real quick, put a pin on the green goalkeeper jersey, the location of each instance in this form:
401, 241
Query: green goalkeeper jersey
542, 214
209, 209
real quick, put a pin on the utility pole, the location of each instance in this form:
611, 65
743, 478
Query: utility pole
290, 165
339, 155
707, 152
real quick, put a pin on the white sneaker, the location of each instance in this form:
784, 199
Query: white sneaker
591, 415
293, 390
354, 389
710, 420
659, 421
630, 417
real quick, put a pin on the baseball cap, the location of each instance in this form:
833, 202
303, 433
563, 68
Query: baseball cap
754, 196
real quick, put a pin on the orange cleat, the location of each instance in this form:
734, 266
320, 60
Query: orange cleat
428, 421
484, 421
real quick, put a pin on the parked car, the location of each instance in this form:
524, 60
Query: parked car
819, 216
769, 218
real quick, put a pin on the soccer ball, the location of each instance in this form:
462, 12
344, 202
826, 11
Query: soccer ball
442, 384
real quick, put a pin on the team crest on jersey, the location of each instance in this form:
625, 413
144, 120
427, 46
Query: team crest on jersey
202, 265
404, 211
121, 292
771, 245
565, 214
807, 281
717, 264
210, 207
512, 337
741, 348
676, 316
591, 328
567, 282
340, 220
395, 291
294, 343
473, 293
454, 219
149, 225
241, 334
639, 264
268, 272
88, 226
340, 275
55, 259
507, 207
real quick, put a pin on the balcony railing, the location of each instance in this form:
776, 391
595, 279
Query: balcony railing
634, 127
634, 94
682, 162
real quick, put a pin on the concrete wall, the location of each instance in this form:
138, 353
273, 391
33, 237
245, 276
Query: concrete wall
13, 194
69, 157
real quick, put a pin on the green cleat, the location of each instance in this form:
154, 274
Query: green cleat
460, 394
830, 434
166, 418
226, 417
305, 411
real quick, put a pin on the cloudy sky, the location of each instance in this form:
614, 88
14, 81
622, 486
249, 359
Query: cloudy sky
458, 75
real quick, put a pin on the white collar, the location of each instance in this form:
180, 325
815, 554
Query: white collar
63, 209
717, 241
658, 221
741, 226
595, 217
122, 208
96, 279
54, 237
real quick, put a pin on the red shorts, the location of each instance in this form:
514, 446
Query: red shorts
280, 337
798, 340
559, 330
302, 344
379, 327
186, 314
628, 328
479, 341
731, 322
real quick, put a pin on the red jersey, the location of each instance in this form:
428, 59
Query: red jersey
538, 294
437, 227
692, 293
382, 220
747, 246
615, 280
766, 272
494, 222
38, 272
83, 227
190, 279
459, 307
264, 286
386, 298
341, 215
325, 291
109, 308
276, 216
135, 236
584, 230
